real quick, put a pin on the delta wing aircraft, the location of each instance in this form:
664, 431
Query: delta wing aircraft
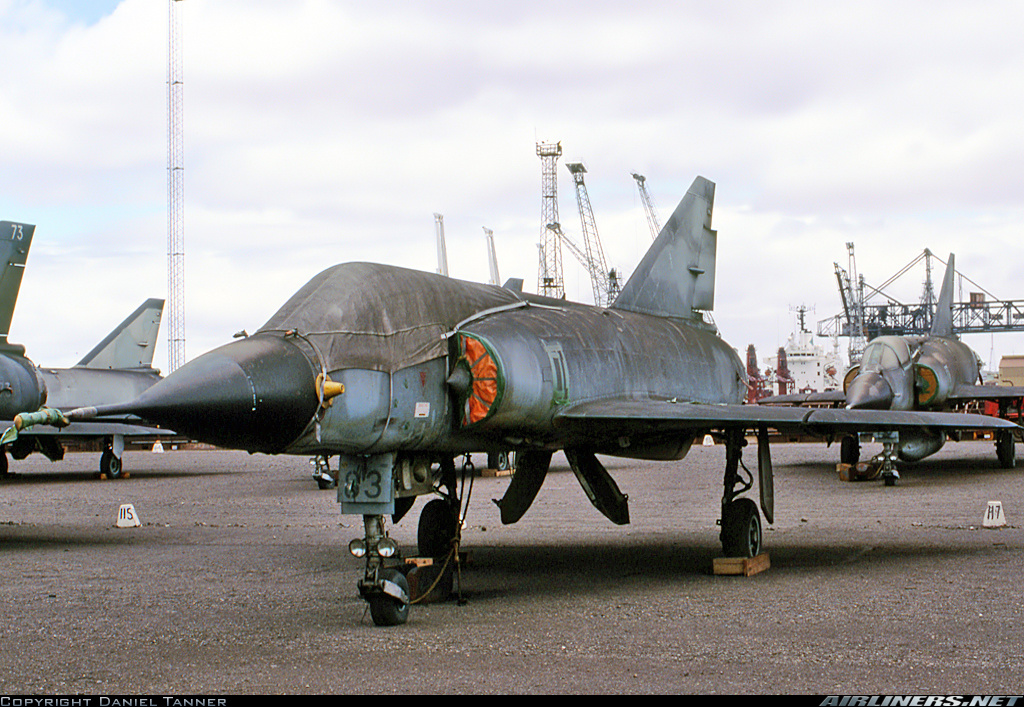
397, 371
119, 368
937, 372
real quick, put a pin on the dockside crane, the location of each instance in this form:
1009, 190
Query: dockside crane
852, 294
604, 280
652, 216
862, 321
549, 272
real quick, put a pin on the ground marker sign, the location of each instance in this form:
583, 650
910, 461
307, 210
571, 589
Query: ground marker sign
994, 515
127, 517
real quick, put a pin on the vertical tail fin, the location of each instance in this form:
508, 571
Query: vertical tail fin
15, 239
676, 278
132, 343
942, 322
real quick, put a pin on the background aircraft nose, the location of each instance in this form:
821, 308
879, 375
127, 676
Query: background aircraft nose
256, 394
869, 391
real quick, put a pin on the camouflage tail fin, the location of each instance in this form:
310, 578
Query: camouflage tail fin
676, 278
132, 343
15, 240
942, 323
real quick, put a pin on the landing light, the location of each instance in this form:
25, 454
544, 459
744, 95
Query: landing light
357, 547
386, 547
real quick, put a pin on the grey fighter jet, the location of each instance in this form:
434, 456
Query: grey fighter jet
937, 372
119, 368
398, 371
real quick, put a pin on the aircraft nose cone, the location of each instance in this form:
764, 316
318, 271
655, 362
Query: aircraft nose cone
256, 394
869, 391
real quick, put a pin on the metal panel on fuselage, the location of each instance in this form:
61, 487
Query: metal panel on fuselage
603, 353
381, 412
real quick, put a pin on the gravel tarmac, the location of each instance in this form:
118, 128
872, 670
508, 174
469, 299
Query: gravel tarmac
239, 582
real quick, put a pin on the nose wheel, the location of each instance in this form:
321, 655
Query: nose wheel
390, 605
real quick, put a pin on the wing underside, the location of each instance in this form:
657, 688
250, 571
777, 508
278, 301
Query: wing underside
963, 393
993, 393
599, 418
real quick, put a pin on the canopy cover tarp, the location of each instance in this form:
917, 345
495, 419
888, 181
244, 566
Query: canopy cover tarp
382, 317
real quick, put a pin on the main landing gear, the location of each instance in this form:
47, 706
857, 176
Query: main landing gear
110, 459
741, 521
1006, 449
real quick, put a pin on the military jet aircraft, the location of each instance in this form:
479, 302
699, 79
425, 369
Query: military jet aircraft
937, 372
398, 371
119, 368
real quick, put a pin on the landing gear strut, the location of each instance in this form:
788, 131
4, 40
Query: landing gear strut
385, 589
364, 484
887, 457
741, 521
110, 459
322, 472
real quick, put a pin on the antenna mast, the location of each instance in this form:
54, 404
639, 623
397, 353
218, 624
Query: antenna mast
175, 196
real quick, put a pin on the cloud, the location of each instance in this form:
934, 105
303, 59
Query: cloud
317, 132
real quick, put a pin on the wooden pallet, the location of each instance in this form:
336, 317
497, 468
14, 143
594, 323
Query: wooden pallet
861, 471
745, 566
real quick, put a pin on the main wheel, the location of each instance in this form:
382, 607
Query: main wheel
386, 610
1006, 449
741, 529
849, 450
439, 520
110, 465
499, 461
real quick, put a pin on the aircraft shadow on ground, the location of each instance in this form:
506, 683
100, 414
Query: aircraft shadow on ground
29, 537
554, 570
937, 467
84, 475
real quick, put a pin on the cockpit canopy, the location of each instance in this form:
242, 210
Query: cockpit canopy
885, 353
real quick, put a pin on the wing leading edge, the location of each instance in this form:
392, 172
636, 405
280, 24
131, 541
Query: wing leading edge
601, 418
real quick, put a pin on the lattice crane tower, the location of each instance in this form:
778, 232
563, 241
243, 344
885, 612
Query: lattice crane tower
652, 215
605, 281
549, 276
175, 196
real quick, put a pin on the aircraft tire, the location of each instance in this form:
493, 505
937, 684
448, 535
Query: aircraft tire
386, 610
849, 450
741, 529
499, 461
1006, 449
436, 529
110, 465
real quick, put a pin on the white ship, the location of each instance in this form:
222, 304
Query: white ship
809, 367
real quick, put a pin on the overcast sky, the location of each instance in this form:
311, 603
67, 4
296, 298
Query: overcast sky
319, 132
